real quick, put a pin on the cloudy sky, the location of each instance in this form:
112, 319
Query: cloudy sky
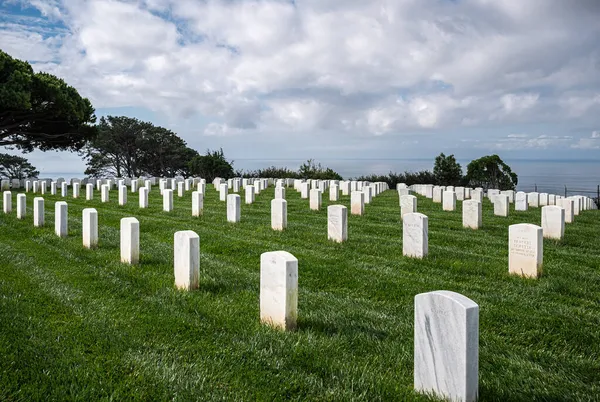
327, 79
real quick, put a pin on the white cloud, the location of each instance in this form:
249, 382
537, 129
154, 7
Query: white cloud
514, 142
593, 142
338, 67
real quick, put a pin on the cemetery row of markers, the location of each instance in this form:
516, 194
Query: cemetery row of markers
444, 320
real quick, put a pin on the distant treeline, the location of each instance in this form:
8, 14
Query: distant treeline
486, 172
308, 170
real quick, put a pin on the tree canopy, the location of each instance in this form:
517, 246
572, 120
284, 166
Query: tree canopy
490, 172
16, 167
126, 146
39, 110
312, 170
447, 171
211, 166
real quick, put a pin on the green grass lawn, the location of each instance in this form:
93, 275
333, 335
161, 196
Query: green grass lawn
76, 324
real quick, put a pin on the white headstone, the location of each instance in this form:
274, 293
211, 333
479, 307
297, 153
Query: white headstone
525, 249
576, 205
122, 195
234, 212
408, 205
63, 189
368, 194
280, 193
543, 199
180, 189
249, 194
315, 199
345, 188
279, 289
197, 203
521, 202
501, 205
278, 214
568, 206
38, 212
334, 193
167, 200
143, 197
553, 222
415, 235
449, 202
61, 219
7, 202
53, 188
104, 193
130, 240
438, 194
90, 228
304, 190
533, 199
471, 214
223, 192
446, 346
187, 259
357, 203
337, 223
21, 206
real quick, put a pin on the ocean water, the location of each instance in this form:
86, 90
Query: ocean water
552, 176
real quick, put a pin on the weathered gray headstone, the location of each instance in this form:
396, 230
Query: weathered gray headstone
446, 346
